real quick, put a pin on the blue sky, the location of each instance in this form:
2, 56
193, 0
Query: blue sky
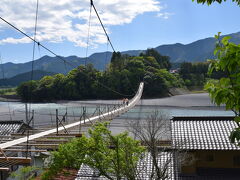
131, 25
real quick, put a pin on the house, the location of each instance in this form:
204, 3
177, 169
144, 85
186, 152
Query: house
9, 127
206, 140
144, 168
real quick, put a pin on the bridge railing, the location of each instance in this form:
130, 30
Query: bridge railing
108, 115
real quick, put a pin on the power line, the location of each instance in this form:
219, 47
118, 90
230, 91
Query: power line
102, 25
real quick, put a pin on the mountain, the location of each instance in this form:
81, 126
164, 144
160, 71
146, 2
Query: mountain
18, 79
55, 64
196, 51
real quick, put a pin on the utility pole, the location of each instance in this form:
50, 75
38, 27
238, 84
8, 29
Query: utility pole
26, 112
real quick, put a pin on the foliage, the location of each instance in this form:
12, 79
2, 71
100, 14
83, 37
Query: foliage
24, 173
7, 91
196, 74
227, 89
123, 75
212, 1
116, 162
69, 155
163, 61
27, 90
114, 156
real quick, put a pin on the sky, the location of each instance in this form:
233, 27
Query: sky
63, 25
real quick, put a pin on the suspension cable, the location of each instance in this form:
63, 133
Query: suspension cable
31, 84
33, 56
3, 75
39, 44
59, 57
88, 35
105, 63
102, 25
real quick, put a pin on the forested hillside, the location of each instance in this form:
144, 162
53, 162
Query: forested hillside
197, 51
195, 75
121, 79
18, 79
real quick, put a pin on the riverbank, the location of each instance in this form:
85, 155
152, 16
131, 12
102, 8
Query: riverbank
185, 100
9, 98
180, 105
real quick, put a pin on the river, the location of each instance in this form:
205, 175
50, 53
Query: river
180, 105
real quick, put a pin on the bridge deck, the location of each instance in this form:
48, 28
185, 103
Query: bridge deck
108, 115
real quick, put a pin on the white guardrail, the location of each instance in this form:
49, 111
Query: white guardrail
107, 115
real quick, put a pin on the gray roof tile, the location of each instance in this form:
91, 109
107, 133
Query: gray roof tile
210, 133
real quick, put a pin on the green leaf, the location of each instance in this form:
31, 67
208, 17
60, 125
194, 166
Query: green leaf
237, 119
235, 135
225, 40
224, 82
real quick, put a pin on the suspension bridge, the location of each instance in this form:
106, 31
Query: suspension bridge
15, 146
24, 142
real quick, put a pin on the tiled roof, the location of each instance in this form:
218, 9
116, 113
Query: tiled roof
203, 133
85, 172
144, 168
9, 127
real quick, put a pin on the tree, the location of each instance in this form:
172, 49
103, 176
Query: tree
26, 90
115, 157
44, 89
69, 155
194, 74
212, 1
58, 85
150, 131
163, 61
117, 61
25, 173
123, 75
227, 89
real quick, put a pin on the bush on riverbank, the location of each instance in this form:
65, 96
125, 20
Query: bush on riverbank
8, 91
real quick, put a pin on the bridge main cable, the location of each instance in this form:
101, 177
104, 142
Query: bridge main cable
91, 3
110, 114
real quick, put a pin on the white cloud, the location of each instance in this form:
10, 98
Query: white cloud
164, 15
68, 19
15, 40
